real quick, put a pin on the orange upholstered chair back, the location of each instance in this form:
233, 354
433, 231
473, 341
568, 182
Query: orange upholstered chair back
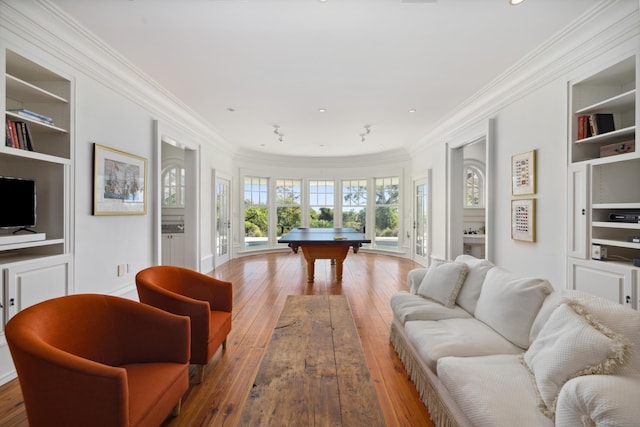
68, 354
206, 300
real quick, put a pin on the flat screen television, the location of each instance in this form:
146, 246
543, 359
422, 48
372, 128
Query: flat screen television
18, 203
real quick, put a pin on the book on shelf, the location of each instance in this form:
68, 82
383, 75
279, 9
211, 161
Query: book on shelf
584, 128
601, 123
8, 139
12, 134
33, 116
18, 135
28, 139
594, 124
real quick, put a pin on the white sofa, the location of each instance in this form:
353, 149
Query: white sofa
486, 347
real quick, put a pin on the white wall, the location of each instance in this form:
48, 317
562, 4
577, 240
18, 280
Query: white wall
118, 107
103, 242
528, 105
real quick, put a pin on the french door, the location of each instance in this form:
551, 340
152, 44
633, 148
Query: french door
222, 188
422, 221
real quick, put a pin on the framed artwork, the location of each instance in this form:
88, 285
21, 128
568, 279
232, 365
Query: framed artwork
523, 220
119, 182
523, 173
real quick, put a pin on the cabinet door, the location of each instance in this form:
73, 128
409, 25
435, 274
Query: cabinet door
177, 250
611, 281
30, 282
579, 212
173, 249
166, 249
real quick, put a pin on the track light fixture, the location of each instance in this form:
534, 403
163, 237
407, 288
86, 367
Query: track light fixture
367, 131
276, 130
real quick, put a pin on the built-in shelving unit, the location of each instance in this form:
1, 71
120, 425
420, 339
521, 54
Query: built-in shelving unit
33, 87
36, 266
604, 176
611, 91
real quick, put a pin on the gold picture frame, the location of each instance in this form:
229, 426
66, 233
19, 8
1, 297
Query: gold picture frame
523, 173
523, 220
119, 182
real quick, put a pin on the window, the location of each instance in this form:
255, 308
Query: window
473, 185
354, 203
288, 198
256, 212
173, 186
321, 200
387, 193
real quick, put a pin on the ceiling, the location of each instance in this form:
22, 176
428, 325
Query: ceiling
246, 66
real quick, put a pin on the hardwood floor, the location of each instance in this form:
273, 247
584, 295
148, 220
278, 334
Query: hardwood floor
260, 285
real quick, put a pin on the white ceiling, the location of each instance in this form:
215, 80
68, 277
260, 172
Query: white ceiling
368, 62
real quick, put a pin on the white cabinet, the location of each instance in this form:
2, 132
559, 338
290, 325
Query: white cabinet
38, 100
603, 179
173, 249
612, 281
30, 282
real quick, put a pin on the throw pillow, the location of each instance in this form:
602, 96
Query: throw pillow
470, 292
509, 303
572, 343
443, 281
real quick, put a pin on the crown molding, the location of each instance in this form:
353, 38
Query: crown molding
51, 29
600, 29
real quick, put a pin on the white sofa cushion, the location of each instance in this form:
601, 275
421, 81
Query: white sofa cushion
492, 391
407, 307
599, 400
572, 343
470, 292
443, 281
455, 337
509, 304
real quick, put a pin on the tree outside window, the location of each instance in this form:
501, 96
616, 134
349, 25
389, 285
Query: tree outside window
173, 186
321, 202
256, 213
354, 204
288, 210
387, 193
473, 186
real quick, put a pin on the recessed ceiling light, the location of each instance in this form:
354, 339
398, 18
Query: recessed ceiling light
515, 2
413, 110
322, 110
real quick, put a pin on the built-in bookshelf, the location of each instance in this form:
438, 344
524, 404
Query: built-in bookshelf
608, 93
37, 101
604, 172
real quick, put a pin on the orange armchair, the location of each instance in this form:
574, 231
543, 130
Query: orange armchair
99, 360
207, 301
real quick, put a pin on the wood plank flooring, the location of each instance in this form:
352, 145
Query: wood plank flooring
261, 284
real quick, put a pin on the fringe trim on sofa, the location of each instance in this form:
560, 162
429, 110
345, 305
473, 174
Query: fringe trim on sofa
438, 411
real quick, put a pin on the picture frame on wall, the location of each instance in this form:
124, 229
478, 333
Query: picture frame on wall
119, 182
523, 220
523, 173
